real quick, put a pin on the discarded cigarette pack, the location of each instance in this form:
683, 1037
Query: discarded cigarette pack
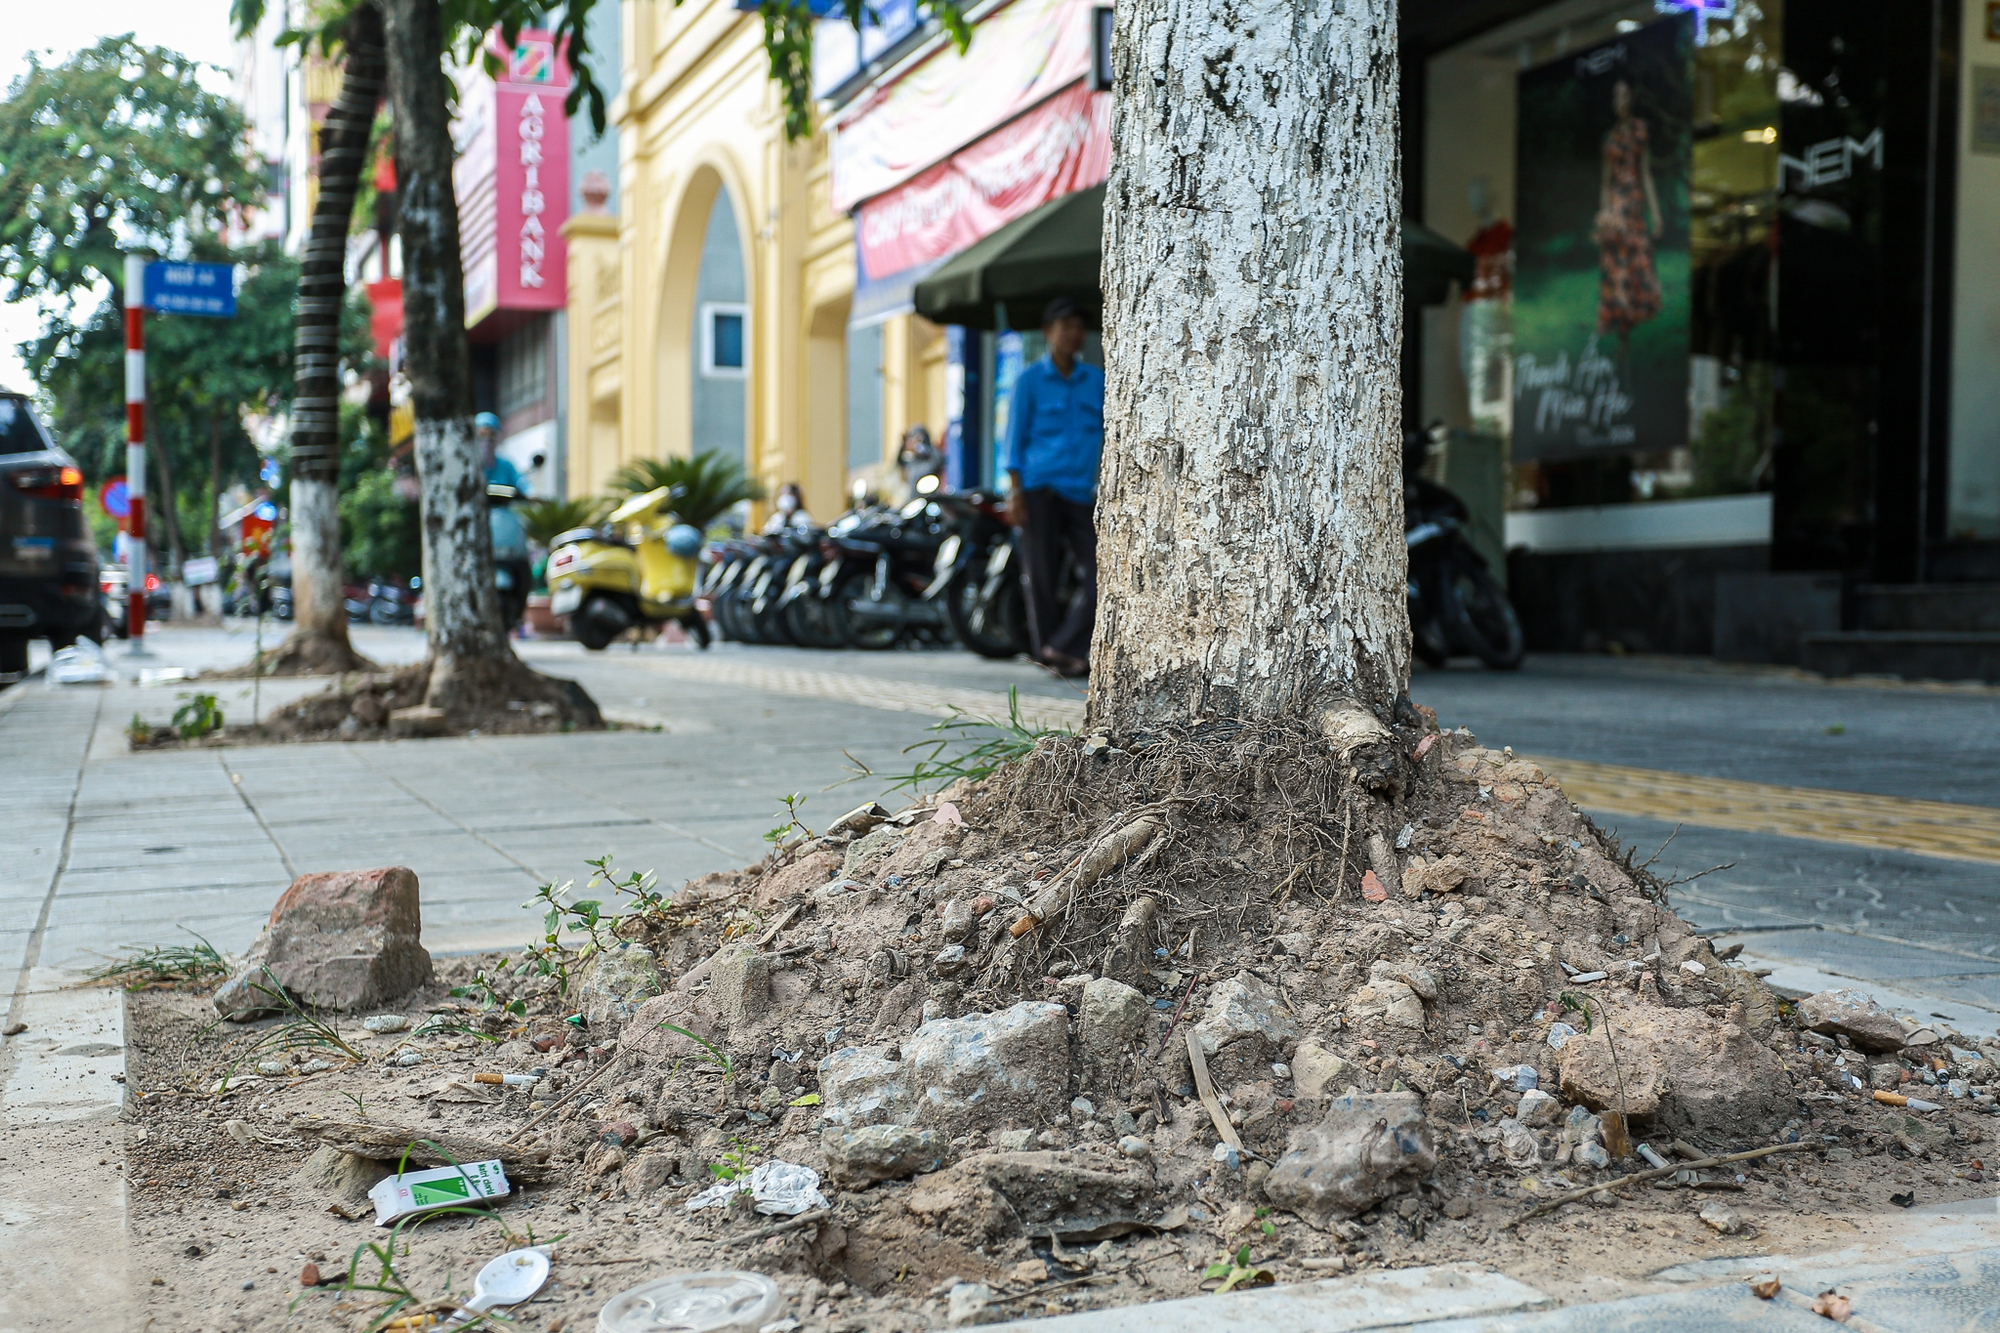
440, 1187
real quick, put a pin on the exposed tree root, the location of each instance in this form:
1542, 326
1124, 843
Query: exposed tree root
303, 653
494, 697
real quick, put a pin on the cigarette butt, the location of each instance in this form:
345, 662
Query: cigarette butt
1891, 1098
1026, 922
486, 1078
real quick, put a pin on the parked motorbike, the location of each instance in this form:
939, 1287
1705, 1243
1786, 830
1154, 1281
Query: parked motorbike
879, 564
1456, 605
638, 569
390, 603
976, 577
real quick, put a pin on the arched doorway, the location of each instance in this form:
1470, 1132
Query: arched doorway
719, 342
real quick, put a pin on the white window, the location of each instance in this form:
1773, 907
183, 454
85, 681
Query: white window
725, 340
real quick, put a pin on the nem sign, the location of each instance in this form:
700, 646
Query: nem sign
192, 289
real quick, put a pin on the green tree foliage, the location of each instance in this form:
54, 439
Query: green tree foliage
710, 484
788, 28
381, 531
115, 147
545, 520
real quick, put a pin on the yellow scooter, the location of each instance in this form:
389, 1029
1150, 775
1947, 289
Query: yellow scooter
637, 570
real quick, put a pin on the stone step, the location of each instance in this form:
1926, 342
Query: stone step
1909, 654
1965, 608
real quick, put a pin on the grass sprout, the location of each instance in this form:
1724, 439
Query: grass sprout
162, 967
302, 1030
972, 747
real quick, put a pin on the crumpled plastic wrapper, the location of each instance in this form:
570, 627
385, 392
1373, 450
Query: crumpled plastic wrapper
777, 1187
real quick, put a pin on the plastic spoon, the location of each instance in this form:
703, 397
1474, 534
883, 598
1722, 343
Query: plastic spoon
507, 1280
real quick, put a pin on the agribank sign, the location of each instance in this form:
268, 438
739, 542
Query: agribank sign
512, 180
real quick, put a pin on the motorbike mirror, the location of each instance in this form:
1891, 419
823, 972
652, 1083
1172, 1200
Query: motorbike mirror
927, 484
415, 583
497, 491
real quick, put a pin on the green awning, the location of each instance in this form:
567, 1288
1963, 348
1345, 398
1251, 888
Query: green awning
1056, 250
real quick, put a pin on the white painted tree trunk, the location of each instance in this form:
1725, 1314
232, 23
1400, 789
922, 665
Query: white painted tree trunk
461, 606
317, 606
1250, 519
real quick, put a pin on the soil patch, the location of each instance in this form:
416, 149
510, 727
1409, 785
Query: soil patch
1050, 1034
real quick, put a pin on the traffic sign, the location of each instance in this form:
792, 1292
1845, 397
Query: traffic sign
192, 289
115, 499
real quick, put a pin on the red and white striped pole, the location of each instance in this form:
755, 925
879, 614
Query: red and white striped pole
135, 449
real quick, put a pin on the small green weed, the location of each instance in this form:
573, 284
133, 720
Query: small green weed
784, 831
138, 731
1238, 1270
485, 991
197, 717
720, 1056
596, 919
301, 1031
735, 1163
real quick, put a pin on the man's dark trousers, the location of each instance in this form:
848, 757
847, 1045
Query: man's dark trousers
1055, 526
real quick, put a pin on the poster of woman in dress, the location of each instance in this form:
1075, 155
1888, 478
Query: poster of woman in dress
1601, 294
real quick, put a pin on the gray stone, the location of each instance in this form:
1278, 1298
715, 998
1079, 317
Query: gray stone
1316, 1070
956, 1073
342, 1177
957, 922
1852, 1014
1537, 1108
1387, 998
615, 983
648, 1172
1015, 1140
1244, 1007
1112, 1015
881, 1152
863, 853
344, 940
740, 983
1591, 1153
1357, 1156
1519, 1145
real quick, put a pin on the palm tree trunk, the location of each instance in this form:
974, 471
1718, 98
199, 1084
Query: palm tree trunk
318, 642
473, 670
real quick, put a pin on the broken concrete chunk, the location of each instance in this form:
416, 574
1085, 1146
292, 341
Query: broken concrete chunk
1443, 875
983, 1069
615, 983
1315, 1070
343, 940
740, 983
1353, 1159
1244, 1007
1537, 1108
1723, 1218
1035, 1193
864, 853
1852, 1014
859, 820
1112, 1015
1387, 999
1683, 1069
647, 1172
957, 922
881, 1152
1519, 1145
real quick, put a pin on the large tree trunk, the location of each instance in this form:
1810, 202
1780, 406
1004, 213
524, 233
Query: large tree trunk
168, 507
1250, 526
473, 670
318, 643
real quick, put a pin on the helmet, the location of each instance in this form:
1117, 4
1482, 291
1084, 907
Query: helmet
684, 539
486, 421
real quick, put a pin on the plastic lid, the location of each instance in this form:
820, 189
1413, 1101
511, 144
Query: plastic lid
710, 1302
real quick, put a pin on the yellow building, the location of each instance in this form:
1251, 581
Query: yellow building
714, 306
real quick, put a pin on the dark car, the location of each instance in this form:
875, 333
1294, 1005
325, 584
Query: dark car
48, 562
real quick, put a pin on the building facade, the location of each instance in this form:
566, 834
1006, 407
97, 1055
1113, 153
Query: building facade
1720, 381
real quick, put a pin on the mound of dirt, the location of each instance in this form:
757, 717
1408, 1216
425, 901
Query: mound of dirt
1344, 993
377, 705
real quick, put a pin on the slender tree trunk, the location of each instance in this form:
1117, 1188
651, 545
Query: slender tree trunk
1250, 518
473, 670
168, 508
215, 542
319, 641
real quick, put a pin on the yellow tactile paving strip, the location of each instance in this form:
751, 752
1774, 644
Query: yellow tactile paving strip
1928, 828
1893, 823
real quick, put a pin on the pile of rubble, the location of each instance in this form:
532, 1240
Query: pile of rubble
1001, 1038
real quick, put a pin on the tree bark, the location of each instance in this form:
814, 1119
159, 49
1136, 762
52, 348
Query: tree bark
473, 670
1250, 518
319, 642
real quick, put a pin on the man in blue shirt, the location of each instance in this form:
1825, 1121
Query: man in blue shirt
1055, 435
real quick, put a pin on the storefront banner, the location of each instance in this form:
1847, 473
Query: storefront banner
1061, 146
1019, 55
1601, 295
512, 181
